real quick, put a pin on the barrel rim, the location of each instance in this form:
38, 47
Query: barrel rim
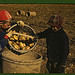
25, 62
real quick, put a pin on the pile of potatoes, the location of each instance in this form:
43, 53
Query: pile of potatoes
20, 42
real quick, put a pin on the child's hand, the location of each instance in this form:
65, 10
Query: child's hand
20, 23
9, 34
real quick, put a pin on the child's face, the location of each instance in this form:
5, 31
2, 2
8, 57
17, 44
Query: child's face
6, 25
54, 28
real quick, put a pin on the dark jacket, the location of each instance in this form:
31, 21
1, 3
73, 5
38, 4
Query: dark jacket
57, 44
4, 38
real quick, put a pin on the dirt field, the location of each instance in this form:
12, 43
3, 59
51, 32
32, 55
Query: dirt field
39, 23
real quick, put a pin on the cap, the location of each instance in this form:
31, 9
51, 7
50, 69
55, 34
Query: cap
5, 15
56, 20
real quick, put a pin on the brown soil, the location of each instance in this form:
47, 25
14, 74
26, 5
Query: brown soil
39, 23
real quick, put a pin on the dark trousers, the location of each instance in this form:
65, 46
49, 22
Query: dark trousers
0, 63
55, 67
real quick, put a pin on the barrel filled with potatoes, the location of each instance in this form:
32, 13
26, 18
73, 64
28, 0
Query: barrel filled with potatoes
22, 43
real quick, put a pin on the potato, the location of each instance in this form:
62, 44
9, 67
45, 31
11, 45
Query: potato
17, 42
22, 38
22, 44
12, 38
16, 46
23, 48
10, 42
32, 44
15, 37
14, 31
27, 38
27, 47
